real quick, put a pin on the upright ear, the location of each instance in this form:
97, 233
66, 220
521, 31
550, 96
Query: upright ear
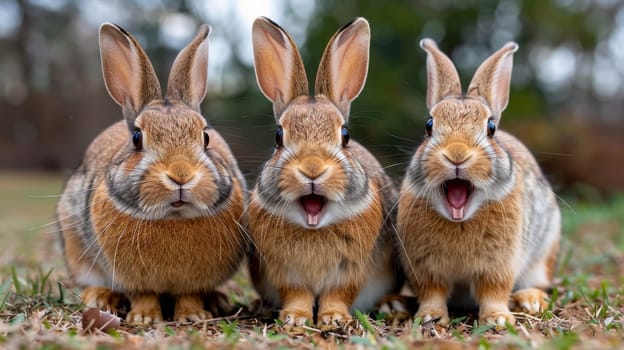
128, 73
279, 68
493, 78
188, 80
442, 78
343, 68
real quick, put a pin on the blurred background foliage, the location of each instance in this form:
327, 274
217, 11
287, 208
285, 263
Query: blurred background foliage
567, 99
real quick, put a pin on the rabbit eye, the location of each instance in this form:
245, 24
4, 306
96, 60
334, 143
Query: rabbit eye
206, 139
491, 127
345, 136
137, 139
279, 135
429, 126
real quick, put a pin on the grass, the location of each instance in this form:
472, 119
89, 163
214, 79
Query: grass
39, 308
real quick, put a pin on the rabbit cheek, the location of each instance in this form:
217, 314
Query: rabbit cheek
334, 186
132, 163
154, 193
206, 192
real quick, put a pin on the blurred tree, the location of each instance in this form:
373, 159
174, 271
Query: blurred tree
569, 70
565, 46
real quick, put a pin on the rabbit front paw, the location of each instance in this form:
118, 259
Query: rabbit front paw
295, 317
145, 309
530, 301
497, 315
334, 317
431, 313
297, 306
394, 307
102, 298
190, 308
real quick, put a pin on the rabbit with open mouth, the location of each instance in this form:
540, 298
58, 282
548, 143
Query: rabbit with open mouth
319, 213
476, 216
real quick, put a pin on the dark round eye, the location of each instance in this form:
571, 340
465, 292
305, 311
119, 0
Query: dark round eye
491, 127
429, 126
206, 139
137, 139
345, 136
279, 135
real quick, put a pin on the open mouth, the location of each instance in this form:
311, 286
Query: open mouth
312, 205
457, 193
178, 204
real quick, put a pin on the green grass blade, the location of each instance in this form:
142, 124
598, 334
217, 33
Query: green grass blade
16, 282
364, 321
5, 293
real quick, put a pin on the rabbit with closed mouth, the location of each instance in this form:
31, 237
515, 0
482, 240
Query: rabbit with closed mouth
154, 207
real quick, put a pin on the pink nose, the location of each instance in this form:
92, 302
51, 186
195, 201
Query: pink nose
180, 172
457, 153
312, 167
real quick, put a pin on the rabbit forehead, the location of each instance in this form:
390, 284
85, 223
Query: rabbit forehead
166, 124
312, 120
460, 115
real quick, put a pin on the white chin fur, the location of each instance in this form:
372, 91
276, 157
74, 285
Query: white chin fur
188, 211
166, 211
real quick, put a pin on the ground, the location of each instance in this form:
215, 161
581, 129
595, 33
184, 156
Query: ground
39, 308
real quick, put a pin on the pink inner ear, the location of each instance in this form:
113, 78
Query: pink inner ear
442, 77
344, 65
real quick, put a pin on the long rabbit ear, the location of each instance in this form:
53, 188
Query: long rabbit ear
188, 80
128, 73
279, 68
493, 78
344, 66
442, 78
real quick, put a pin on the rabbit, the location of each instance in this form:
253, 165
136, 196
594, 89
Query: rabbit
477, 219
154, 207
319, 214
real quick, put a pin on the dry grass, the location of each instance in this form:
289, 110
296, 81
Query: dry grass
38, 310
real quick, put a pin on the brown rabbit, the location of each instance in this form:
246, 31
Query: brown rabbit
317, 212
154, 207
477, 218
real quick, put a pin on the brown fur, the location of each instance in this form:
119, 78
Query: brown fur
283, 248
145, 309
551, 262
507, 239
295, 262
147, 257
102, 297
478, 251
190, 307
162, 217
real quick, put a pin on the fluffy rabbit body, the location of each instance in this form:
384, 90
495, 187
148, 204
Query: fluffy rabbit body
154, 206
476, 216
317, 212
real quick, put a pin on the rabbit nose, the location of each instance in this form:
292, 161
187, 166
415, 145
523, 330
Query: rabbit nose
312, 167
457, 153
180, 172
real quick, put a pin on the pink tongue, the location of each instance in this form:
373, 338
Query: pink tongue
312, 205
457, 193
